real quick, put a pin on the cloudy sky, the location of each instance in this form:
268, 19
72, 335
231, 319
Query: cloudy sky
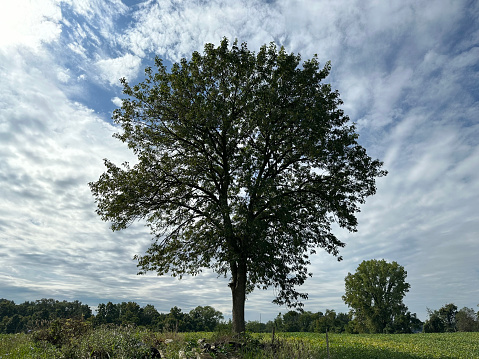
407, 70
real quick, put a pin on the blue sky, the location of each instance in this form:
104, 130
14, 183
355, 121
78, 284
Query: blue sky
408, 73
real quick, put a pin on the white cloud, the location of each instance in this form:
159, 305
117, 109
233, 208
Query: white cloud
114, 69
117, 101
50, 149
177, 28
29, 23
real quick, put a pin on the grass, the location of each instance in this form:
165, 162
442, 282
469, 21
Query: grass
115, 342
391, 346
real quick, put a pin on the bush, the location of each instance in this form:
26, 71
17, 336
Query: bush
110, 342
62, 332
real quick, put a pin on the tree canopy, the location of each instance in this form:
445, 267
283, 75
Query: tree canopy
245, 161
375, 293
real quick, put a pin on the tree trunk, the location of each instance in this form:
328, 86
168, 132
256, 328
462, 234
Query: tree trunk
238, 291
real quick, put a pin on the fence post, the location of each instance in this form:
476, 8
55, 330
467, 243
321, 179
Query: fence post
272, 336
327, 342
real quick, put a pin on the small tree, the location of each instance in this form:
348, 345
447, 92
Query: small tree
375, 293
244, 162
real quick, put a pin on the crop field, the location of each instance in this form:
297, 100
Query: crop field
128, 344
390, 346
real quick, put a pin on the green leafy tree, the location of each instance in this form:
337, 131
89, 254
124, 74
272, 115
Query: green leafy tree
375, 294
442, 320
7, 308
435, 324
150, 317
291, 321
331, 322
405, 323
205, 319
448, 315
130, 313
112, 313
244, 162
177, 321
466, 320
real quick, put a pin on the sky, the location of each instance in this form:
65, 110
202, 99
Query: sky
407, 71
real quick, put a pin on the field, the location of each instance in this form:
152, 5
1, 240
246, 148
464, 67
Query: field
391, 346
128, 343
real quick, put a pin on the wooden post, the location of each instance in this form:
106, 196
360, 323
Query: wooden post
272, 336
327, 342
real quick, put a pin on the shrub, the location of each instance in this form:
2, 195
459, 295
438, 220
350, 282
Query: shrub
62, 331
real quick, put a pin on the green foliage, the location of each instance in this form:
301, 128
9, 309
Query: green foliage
448, 314
466, 320
199, 319
449, 319
205, 319
434, 324
244, 162
110, 342
15, 318
62, 332
22, 346
375, 294
304, 321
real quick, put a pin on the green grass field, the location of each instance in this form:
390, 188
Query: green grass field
391, 346
124, 344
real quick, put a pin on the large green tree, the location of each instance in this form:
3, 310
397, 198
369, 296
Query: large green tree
375, 295
245, 161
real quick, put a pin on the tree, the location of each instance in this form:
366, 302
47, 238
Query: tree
375, 293
448, 315
442, 320
466, 320
244, 162
130, 313
150, 317
435, 324
332, 322
405, 323
205, 319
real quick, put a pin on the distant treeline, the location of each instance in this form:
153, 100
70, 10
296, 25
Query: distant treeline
16, 318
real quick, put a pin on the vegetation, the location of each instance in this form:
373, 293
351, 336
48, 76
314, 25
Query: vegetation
375, 294
126, 330
127, 342
394, 346
449, 319
244, 162
30, 315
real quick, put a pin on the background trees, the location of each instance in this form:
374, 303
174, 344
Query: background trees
16, 318
375, 294
205, 319
467, 320
244, 162
449, 319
